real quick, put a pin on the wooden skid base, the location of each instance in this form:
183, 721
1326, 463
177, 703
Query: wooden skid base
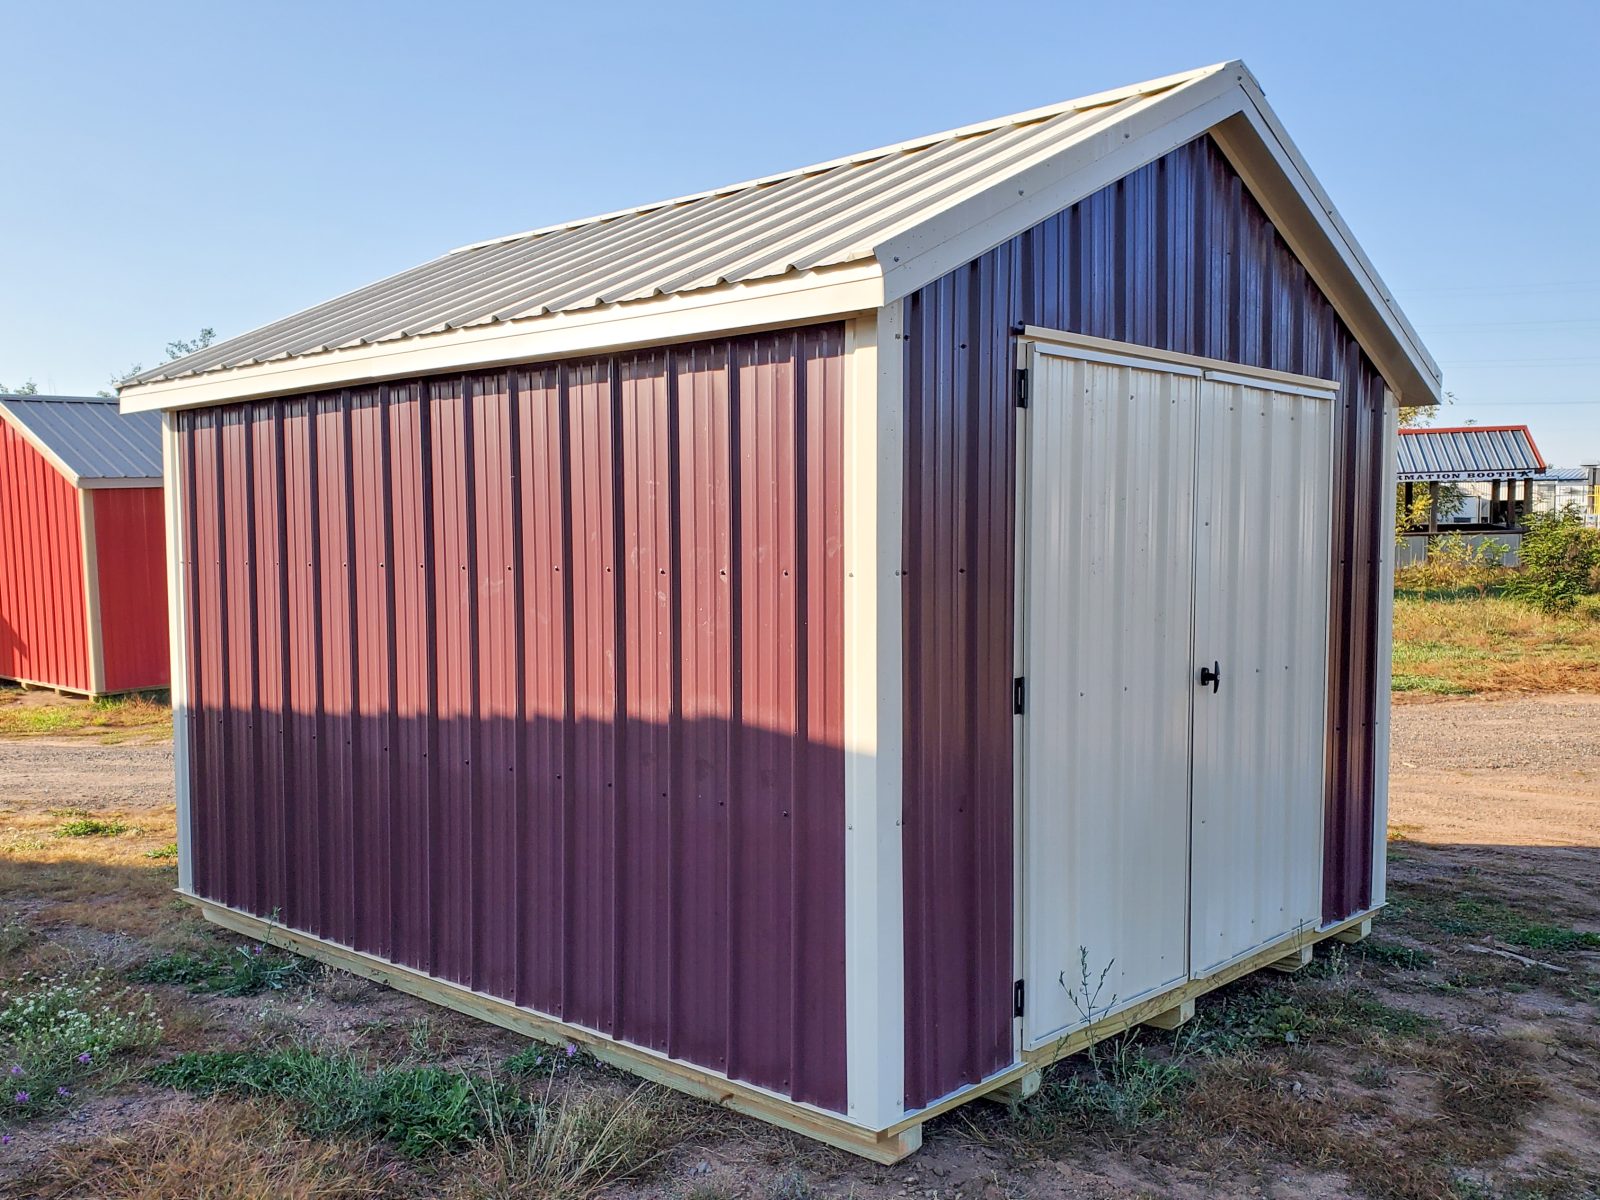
1144, 1013
1292, 961
884, 1146
1356, 933
1017, 1090
887, 1146
1173, 1017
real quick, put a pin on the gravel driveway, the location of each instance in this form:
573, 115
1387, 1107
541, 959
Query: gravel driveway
55, 774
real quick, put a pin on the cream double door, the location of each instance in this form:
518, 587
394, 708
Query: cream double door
1173, 537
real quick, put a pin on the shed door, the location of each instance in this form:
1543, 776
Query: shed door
1107, 470
1262, 523
1170, 518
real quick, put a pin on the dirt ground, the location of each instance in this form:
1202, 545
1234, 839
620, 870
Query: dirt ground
1456, 1053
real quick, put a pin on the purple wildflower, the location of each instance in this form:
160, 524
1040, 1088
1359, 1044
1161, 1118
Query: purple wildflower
62, 1092
21, 1097
571, 1049
5, 1139
84, 1057
16, 1069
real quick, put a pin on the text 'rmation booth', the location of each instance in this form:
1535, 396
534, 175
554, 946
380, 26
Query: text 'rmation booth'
792, 639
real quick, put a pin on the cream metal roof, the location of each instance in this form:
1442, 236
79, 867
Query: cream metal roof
838, 237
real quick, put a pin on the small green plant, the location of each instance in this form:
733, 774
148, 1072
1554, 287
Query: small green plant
1560, 561
242, 971
169, 851
1390, 954
56, 1033
92, 827
537, 1058
419, 1110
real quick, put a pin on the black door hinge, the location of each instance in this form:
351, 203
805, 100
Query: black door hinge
1022, 387
1019, 695
1018, 991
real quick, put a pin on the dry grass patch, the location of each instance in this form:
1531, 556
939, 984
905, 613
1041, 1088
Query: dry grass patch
220, 1151
110, 719
1493, 644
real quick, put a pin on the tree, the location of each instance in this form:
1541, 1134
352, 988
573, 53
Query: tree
27, 388
175, 349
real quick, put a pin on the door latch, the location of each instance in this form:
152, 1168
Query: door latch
1212, 675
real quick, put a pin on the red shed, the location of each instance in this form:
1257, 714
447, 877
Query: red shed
769, 636
83, 588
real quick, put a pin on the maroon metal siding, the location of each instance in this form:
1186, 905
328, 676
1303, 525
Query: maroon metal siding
532, 680
1176, 256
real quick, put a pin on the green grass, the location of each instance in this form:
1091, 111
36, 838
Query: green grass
241, 971
92, 827
419, 1110
170, 850
1465, 643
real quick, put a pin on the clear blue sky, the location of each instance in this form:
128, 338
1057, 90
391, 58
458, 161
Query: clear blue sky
169, 166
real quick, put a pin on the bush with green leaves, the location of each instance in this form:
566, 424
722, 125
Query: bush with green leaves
242, 971
57, 1033
418, 1109
1560, 561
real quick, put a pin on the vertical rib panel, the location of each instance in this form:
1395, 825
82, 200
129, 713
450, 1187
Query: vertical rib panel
543, 690
372, 632
590, 929
546, 617
645, 799
131, 562
700, 908
1178, 256
337, 646
411, 872
496, 777
43, 631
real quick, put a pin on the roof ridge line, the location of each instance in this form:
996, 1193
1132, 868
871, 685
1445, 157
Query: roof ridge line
1029, 116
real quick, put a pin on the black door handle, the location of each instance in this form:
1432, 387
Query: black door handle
1213, 676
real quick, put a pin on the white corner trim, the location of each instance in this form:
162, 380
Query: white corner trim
711, 312
1256, 145
1383, 653
873, 731
1114, 147
49, 455
177, 620
93, 638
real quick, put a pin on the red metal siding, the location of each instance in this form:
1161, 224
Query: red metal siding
1176, 256
43, 632
130, 547
532, 680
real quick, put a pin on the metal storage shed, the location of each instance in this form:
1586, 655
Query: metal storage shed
83, 566
743, 634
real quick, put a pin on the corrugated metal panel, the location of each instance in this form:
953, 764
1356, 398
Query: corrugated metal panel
545, 695
131, 561
1472, 452
1175, 256
1260, 610
89, 436
818, 216
1106, 654
43, 631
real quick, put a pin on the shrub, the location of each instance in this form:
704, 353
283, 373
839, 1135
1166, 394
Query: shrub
57, 1032
92, 827
1455, 564
243, 971
1560, 561
417, 1109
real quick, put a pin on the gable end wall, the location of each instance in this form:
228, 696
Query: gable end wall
1176, 256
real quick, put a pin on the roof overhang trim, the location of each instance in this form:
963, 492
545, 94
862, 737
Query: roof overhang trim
822, 294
